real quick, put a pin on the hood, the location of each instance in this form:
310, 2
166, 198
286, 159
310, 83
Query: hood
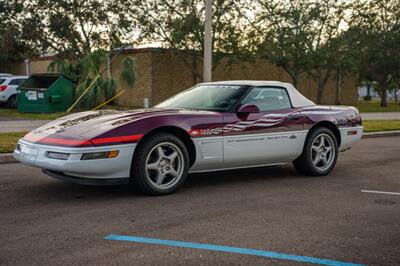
80, 123
91, 124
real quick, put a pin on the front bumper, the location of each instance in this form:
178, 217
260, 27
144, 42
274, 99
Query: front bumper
109, 168
87, 181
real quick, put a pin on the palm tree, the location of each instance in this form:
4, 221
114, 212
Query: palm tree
88, 70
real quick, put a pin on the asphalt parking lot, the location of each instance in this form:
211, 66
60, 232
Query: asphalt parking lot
47, 222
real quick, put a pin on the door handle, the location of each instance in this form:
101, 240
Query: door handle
294, 117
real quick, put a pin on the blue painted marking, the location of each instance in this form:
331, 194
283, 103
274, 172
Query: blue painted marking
247, 251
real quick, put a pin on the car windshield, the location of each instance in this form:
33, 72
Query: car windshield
206, 97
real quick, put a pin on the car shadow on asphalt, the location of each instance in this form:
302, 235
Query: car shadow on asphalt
241, 176
51, 189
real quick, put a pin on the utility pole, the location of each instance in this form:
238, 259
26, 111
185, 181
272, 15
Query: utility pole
27, 67
207, 71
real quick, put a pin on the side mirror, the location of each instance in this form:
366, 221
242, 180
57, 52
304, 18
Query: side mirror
248, 109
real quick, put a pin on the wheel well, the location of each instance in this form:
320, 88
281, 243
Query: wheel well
178, 132
11, 96
330, 126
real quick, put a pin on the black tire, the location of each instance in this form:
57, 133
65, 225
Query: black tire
305, 165
142, 177
12, 101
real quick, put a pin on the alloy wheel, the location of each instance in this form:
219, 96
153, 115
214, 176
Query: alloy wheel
323, 152
164, 165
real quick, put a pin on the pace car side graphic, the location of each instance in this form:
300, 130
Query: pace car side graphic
268, 120
265, 121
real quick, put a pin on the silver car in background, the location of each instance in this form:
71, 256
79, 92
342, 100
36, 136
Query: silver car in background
8, 89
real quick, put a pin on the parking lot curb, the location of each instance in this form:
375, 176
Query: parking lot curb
381, 134
7, 158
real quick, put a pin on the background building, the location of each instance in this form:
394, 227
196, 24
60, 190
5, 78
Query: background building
162, 73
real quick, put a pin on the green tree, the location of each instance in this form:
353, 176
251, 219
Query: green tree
90, 70
374, 35
179, 26
280, 34
299, 36
128, 73
327, 53
14, 45
70, 28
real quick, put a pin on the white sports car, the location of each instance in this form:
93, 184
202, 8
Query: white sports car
209, 127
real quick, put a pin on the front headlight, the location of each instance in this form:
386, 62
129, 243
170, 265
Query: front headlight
57, 155
99, 155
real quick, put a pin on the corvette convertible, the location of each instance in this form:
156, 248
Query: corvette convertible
209, 127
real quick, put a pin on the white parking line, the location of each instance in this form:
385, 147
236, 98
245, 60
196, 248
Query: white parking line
381, 192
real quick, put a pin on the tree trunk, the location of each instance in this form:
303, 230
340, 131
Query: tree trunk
194, 69
321, 77
320, 91
383, 96
368, 89
294, 75
338, 87
295, 82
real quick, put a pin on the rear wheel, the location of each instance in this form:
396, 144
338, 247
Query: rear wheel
12, 101
160, 164
319, 154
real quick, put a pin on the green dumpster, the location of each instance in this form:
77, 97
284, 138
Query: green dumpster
45, 93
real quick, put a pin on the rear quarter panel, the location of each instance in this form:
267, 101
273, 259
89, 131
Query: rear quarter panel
346, 119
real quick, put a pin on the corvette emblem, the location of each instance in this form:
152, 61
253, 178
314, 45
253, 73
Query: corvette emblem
200, 132
194, 132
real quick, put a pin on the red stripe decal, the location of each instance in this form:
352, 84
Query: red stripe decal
131, 138
69, 142
66, 142
35, 137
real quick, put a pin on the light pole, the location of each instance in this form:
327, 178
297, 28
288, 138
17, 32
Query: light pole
207, 64
27, 67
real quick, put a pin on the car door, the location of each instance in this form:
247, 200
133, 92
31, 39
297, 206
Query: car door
13, 84
273, 135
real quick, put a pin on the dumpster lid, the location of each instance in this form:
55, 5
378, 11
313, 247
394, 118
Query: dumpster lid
42, 81
53, 74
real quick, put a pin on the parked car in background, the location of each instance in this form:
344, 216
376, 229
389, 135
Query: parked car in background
8, 89
210, 127
5, 75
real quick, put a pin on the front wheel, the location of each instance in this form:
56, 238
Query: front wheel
160, 164
12, 101
319, 154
